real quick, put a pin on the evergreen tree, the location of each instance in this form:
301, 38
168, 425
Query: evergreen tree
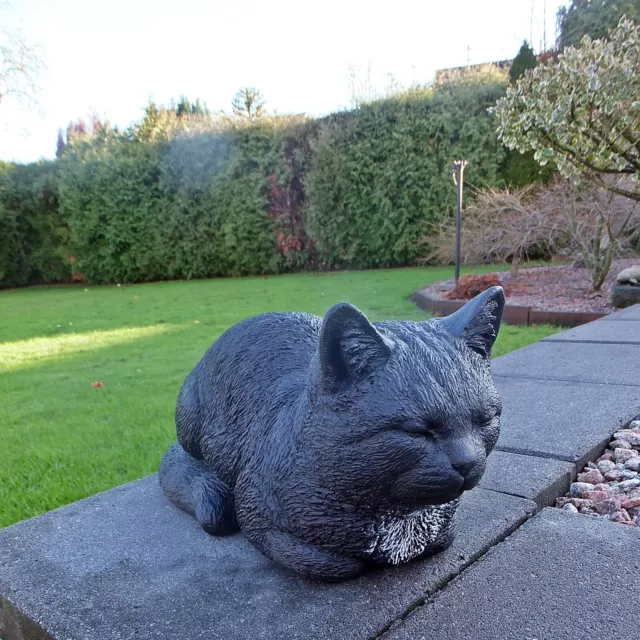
525, 59
185, 106
593, 18
60, 144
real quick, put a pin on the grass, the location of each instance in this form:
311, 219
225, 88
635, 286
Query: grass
63, 439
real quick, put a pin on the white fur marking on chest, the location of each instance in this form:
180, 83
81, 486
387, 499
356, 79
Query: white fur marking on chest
399, 539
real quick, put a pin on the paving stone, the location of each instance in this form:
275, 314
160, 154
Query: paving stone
600, 363
570, 421
561, 576
125, 564
539, 479
606, 332
632, 313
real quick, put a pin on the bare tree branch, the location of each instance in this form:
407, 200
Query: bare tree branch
513, 225
20, 68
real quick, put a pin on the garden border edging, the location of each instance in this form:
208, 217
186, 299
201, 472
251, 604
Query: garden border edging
513, 314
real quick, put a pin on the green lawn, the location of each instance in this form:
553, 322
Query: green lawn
63, 439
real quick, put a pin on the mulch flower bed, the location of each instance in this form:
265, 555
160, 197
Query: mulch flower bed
610, 487
555, 288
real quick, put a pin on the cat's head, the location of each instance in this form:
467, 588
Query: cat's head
403, 414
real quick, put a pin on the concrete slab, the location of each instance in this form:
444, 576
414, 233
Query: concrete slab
559, 577
125, 564
570, 421
539, 479
632, 313
601, 363
601, 332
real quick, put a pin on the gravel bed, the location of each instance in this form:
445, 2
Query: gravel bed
610, 487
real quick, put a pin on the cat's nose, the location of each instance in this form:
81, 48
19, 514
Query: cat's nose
463, 466
463, 456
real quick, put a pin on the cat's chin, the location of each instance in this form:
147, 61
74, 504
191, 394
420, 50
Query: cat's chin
449, 497
436, 500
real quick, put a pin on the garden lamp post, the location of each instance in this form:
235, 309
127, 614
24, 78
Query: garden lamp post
457, 172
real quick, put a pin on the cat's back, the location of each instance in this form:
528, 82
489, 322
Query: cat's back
270, 343
257, 366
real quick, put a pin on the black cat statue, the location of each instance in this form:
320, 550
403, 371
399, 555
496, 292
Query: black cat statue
335, 444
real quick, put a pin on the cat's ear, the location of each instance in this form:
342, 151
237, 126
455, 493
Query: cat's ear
478, 322
350, 347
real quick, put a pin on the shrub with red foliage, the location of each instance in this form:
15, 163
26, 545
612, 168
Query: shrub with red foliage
287, 201
470, 286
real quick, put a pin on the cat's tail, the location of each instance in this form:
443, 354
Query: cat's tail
189, 417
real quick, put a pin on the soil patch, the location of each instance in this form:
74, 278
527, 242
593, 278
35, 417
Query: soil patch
555, 288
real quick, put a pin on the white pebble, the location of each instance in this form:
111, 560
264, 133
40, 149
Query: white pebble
622, 455
633, 464
627, 485
578, 488
628, 435
606, 465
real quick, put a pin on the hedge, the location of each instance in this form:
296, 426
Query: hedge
33, 237
191, 196
382, 176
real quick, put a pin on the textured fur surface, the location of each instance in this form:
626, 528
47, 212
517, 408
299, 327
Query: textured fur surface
333, 443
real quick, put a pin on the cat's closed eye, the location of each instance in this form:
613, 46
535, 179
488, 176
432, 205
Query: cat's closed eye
421, 429
487, 415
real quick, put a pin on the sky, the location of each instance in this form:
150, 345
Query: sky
113, 57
